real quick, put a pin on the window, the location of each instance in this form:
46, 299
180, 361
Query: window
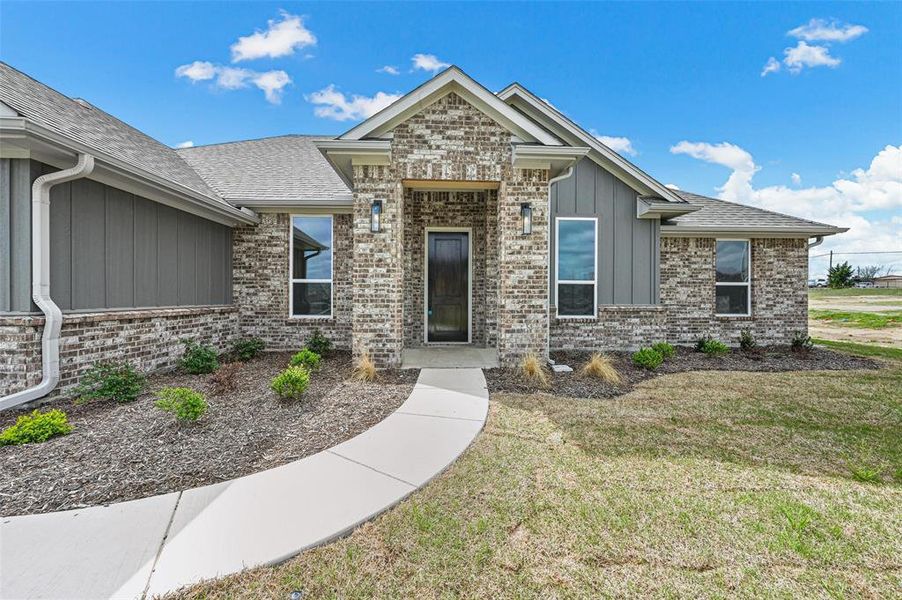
577, 254
311, 266
733, 278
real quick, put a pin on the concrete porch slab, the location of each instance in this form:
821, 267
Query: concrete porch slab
449, 357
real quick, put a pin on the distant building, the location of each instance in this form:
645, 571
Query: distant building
888, 281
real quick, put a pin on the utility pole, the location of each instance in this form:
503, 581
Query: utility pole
831, 259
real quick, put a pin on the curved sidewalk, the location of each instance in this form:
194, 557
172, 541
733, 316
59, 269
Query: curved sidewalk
158, 544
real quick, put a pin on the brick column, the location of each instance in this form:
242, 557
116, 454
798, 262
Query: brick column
523, 267
378, 269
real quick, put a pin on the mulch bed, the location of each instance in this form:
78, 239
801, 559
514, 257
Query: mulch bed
126, 451
573, 385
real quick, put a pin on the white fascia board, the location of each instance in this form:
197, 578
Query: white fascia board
344, 154
661, 210
601, 154
451, 79
554, 158
740, 231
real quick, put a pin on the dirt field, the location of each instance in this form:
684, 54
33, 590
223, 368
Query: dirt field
855, 301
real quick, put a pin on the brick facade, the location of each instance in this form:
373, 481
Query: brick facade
148, 339
618, 327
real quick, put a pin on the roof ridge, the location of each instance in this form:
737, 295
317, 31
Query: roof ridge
257, 139
758, 208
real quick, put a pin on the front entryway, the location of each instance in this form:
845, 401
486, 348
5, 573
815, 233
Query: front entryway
447, 286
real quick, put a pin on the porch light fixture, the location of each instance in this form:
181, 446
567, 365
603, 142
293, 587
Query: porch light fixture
526, 216
375, 216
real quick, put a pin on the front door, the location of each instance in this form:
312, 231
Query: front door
447, 285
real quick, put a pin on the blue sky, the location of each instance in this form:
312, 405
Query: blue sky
681, 82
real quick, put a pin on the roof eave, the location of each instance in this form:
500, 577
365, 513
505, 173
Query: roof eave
745, 231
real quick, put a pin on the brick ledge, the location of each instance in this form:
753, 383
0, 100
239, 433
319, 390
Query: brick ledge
118, 315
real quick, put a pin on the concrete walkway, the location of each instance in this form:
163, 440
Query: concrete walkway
155, 545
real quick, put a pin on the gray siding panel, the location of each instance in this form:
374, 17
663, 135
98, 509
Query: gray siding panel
628, 247
146, 286
120, 249
61, 245
187, 259
168, 255
204, 262
6, 255
88, 244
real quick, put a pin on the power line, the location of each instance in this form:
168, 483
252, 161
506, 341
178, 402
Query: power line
845, 253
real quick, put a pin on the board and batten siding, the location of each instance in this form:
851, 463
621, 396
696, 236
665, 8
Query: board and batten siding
110, 249
628, 247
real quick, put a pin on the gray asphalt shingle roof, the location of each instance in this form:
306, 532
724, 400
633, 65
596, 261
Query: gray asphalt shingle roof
96, 129
722, 213
270, 171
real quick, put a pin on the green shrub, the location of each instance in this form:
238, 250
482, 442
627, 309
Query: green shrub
198, 358
291, 383
107, 380
801, 342
747, 340
712, 347
319, 343
35, 428
306, 358
247, 348
666, 350
184, 403
648, 358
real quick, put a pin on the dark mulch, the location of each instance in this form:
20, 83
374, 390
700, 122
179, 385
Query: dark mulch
573, 385
125, 451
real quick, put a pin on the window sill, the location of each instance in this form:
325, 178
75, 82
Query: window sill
311, 317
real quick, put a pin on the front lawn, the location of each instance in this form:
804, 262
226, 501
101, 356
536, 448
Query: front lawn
695, 484
831, 293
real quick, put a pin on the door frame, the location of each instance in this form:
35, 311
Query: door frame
469, 232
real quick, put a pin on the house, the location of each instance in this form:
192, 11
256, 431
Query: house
453, 216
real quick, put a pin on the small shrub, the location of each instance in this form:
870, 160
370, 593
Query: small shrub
198, 358
306, 358
600, 366
534, 370
319, 343
747, 340
666, 350
115, 381
35, 428
865, 474
184, 403
223, 379
801, 342
648, 358
247, 348
365, 369
291, 383
712, 347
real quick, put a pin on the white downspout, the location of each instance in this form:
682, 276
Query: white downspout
551, 182
818, 240
40, 280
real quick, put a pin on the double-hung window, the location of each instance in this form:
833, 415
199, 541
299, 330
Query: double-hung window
311, 266
733, 281
577, 257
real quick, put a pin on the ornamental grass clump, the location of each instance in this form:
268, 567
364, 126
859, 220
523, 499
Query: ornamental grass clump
600, 367
666, 350
198, 358
185, 404
35, 428
291, 383
306, 358
365, 369
534, 370
647, 358
111, 381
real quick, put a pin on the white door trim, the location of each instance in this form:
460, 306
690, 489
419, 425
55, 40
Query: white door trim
469, 232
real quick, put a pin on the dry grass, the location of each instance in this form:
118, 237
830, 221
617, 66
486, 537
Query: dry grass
534, 370
600, 367
365, 369
703, 485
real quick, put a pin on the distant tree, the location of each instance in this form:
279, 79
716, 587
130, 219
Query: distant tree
840, 276
868, 272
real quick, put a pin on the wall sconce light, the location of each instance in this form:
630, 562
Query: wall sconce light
526, 217
375, 216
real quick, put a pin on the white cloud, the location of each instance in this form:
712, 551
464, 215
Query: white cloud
332, 104
771, 66
199, 70
820, 30
390, 70
672, 186
281, 38
621, 145
796, 179
271, 83
428, 62
868, 201
185, 144
802, 55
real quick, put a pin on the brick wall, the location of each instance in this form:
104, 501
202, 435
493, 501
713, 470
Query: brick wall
260, 281
148, 339
618, 327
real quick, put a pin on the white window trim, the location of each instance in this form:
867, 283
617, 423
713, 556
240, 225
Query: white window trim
747, 284
557, 269
291, 278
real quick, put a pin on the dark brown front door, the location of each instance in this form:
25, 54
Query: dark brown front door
447, 305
